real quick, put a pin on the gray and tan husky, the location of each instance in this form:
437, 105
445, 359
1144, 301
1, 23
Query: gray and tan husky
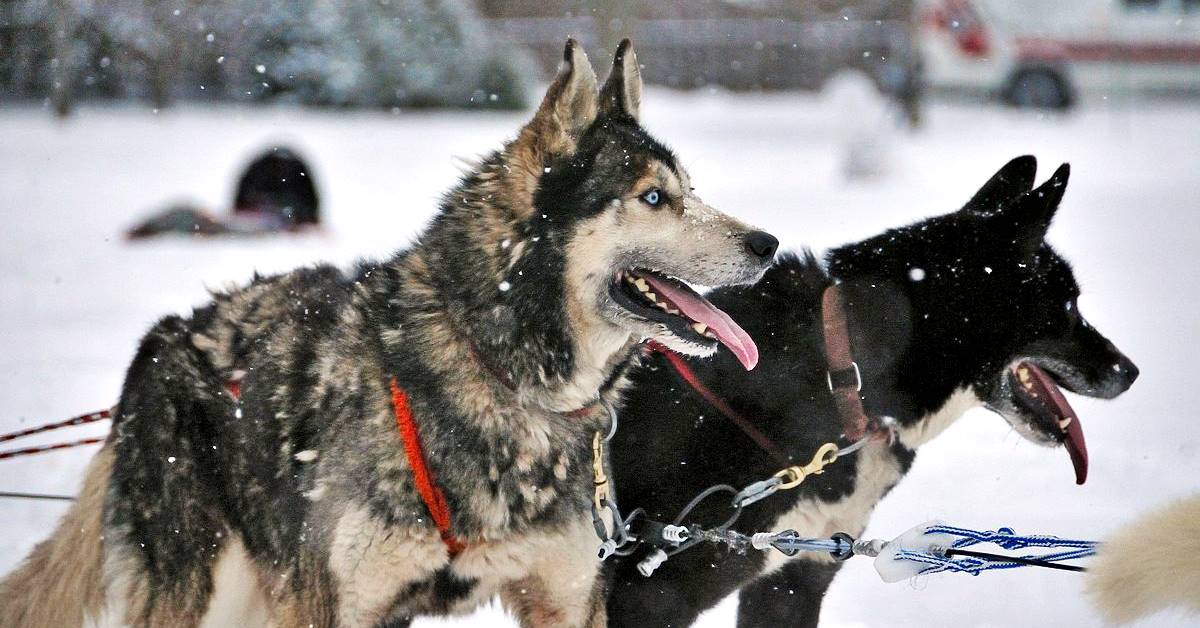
323, 448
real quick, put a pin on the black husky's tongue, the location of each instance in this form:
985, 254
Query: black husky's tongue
1040, 386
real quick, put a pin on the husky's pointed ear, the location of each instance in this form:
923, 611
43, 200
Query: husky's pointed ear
879, 316
622, 92
1028, 219
1011, 181
570, 102
567, 110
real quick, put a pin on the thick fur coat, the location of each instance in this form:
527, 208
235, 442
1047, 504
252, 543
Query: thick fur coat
256, 473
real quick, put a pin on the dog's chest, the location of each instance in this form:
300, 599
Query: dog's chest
526, 473
877, 471
383, 571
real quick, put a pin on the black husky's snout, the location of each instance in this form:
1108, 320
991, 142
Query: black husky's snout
1111, 372
1111, 379
1089, 364
762, 245
1127, 372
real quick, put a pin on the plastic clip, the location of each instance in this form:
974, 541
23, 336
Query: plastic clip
652, 562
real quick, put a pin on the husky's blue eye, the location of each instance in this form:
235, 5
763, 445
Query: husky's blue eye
653, 198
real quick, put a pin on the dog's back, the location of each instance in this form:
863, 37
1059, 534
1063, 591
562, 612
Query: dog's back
1150, 564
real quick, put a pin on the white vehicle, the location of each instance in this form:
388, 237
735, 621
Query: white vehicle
1045, 54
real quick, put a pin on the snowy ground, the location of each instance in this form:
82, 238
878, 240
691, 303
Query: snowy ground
74, 297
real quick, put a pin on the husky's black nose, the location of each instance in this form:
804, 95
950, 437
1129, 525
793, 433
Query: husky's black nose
1115, 379
762, 244
1127, 370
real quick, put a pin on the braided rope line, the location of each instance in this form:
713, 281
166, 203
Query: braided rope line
976, 566
1005, 538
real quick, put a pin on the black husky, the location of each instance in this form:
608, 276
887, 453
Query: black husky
970, 308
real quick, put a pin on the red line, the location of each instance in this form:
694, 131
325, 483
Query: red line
685, 372
79, 420
29, 451
1108, 50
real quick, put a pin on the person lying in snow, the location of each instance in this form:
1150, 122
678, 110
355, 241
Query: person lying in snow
276, 193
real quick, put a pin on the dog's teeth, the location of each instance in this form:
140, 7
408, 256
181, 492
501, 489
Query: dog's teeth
672, 310
641, 285
660, 305
652, 296
700, 328
1064, 422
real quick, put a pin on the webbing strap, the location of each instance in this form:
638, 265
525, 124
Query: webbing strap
430, 492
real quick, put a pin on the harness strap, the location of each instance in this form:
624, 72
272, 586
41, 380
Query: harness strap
430, 492
688, 375
845, 380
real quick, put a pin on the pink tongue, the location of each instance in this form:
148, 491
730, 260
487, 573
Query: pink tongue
1048, 392
698, 309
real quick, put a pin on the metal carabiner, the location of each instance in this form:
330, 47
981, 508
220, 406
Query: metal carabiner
792, 477
599, 478
759, 490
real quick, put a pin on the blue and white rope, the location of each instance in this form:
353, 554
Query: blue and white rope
1006, 538
976, 566
1003, 537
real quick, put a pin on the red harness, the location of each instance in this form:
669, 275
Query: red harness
423, 477
427, 486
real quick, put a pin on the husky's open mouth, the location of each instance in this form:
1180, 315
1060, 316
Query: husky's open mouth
665, 300
1038, 394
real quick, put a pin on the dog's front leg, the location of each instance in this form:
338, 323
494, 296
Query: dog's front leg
371, 563
550, 601
563, 588
789, 597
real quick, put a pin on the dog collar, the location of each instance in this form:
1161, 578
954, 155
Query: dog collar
842, 376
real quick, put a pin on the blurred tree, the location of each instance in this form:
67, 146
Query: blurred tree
358, 53
62, 64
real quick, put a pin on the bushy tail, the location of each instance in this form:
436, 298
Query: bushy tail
1149, 565
60, 582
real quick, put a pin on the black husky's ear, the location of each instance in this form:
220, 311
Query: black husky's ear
1011, 181
1028, 219
622, 92
880, 318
